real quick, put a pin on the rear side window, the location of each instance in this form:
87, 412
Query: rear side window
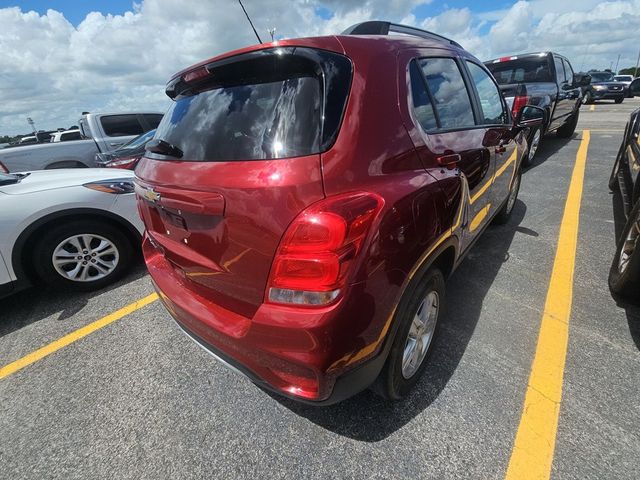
560, 78
535, 69
422, 106
448, 91
270, 104
121, 125
490, 98
568, 71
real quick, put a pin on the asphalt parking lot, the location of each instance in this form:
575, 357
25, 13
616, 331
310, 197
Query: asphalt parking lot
137, 399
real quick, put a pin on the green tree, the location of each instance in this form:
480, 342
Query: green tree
629, 71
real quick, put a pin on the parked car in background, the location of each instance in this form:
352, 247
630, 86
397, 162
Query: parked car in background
544, 79
624, 276
604, 87
103, 132
128, 155
626, 80
303, 235
74, 228
28, 140
66, 135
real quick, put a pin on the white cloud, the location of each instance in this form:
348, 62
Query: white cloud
52, 71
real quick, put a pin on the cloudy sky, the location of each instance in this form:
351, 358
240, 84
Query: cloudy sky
62, 57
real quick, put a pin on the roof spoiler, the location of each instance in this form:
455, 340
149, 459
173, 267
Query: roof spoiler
377, 27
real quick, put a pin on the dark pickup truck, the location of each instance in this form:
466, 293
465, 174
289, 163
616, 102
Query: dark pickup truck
546, 80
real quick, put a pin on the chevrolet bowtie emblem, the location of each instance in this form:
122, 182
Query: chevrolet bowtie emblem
151, 195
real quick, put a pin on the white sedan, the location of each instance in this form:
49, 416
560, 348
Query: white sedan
73, 227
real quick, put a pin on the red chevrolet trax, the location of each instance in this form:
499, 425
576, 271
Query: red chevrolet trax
305, 200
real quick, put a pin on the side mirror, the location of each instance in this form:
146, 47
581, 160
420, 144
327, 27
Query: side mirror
634, 87
529, 116
581, 80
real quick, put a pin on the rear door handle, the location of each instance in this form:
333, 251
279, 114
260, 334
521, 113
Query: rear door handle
501, 148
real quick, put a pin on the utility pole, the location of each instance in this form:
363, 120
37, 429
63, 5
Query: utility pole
617, 62
30, 122
272, 32
637, 63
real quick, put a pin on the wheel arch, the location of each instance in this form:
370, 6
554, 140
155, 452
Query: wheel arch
444, 256
21, 258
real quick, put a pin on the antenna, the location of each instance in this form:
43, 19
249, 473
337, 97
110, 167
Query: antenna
254, 28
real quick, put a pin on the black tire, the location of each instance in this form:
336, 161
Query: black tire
619, 100
566, 130
506, 211
587, 98
115, 264
534, 140
625, 282
391, 384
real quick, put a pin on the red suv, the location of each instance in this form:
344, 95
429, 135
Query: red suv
306, 199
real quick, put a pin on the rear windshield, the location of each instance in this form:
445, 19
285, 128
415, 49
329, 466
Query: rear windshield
269, 106
521, 70
247, 122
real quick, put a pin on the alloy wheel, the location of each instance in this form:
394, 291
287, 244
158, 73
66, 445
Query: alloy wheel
535, 142
420, 334
85, 258
513, 194
629, 246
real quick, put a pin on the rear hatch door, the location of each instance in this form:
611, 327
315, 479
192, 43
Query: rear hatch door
234, 161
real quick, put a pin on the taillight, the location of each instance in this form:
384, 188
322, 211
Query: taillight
313, 259
518, 102
127, 162
3, 169
195, 74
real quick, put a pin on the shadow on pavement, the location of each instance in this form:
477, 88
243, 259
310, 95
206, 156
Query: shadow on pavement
551, 143
632, 311
38, 302
366, 417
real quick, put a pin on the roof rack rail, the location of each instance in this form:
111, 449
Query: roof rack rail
377, 27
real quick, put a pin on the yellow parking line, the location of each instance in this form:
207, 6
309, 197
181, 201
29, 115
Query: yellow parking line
74, 336
592, 108
532, 453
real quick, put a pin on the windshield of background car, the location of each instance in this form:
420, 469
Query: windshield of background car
623, 78
534, 69
274, 104
601, 77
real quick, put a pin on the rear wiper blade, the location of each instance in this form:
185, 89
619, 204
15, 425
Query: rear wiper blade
164, 148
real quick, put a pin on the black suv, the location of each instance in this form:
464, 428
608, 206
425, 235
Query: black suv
604, 87
624, 276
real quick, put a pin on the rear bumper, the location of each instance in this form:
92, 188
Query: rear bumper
295, 352
345, 386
